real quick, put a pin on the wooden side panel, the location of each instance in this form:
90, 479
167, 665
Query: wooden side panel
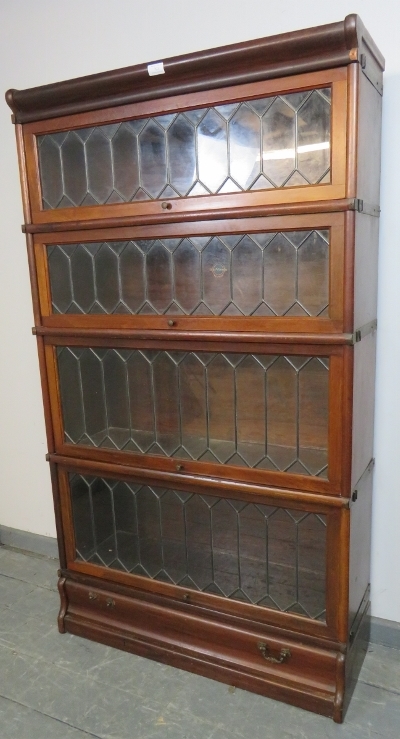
363, 405
369, 141
360, 544
365, 268
355, 657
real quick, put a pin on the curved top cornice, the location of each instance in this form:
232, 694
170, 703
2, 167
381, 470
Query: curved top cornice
308, 50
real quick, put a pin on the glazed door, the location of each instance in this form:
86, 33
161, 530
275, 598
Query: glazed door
250, 412
262, 143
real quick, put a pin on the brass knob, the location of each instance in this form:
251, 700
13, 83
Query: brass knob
166, 206
92, 596
179, 467
171, 323
110, 602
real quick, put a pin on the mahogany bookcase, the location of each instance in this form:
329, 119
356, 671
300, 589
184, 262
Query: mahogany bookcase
202, 237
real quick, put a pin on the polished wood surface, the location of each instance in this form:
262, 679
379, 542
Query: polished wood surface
332, 322
339, 205
204, 645
321, 47
205, 632
179, 207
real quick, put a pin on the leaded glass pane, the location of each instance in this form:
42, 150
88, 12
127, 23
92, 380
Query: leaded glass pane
153, 159
279, 139
125, 162
182, 154
212, 151
99, 165
258, 411
276, 141
258, 554
278, 274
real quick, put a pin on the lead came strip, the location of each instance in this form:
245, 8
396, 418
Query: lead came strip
272, 142
259, 274
259, 554
258, 411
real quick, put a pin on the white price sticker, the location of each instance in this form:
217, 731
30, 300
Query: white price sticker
156, 68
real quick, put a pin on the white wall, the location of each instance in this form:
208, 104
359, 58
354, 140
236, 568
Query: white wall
46, 41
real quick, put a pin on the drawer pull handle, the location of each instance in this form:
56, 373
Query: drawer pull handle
110, 602
92, 596
284, 654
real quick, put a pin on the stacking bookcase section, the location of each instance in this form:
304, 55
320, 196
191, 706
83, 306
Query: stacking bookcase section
233, 147
268, 415
207, 561
278, 274
203, 250
268, 556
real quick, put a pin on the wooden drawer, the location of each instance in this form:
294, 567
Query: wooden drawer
225, 649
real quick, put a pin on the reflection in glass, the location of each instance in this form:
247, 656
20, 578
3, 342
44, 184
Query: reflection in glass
258, 554
313, 138
152, 152
182, 155
258, 411
212, 151
244, 140
279, 138
278, 274
276, 141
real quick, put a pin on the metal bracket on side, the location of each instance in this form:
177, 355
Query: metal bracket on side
368, 328
366, 208
371, 72
366, 472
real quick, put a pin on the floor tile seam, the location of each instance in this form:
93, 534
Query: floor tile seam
209, 724
53, 718
28, 582
72, 671
392, 691
86, 676
28, 553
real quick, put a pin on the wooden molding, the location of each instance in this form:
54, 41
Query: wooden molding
307, 50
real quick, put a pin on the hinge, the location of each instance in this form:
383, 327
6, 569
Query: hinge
366, 208
368, 328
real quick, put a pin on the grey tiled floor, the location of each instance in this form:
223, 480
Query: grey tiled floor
63, 687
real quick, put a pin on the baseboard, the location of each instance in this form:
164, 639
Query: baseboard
385, 632
25, 540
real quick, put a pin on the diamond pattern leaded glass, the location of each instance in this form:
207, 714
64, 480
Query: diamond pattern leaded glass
261, 274
254, 553
259, 411
272, 142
